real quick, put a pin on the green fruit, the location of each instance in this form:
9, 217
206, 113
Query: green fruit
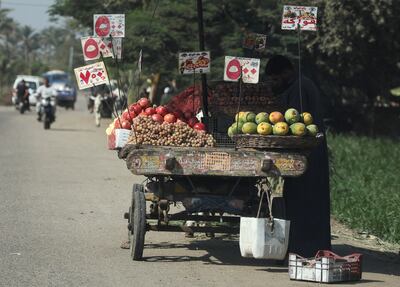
312, 130
298, 129
250, 117
264, 129
230, 132
241, 117
292, 116
249, 128
237, 127
262, 118
280, 129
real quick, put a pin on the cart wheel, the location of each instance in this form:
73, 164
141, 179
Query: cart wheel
137, 221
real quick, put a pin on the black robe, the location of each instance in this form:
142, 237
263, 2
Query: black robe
307, 197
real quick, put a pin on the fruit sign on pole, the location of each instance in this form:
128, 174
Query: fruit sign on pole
299, 16
92, 46
254, 41
105, 25
194, 62
246, 68
91, 75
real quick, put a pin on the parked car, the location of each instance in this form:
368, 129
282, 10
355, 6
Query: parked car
32, 82
64, 87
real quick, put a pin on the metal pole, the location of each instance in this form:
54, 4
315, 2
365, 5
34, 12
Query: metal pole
201, 46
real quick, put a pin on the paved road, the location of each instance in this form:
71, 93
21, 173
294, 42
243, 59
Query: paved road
62, 197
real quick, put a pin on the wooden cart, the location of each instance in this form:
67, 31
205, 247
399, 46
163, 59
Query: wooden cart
220, 183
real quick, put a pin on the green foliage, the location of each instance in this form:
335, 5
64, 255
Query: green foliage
365, 184
25, 51
357, 45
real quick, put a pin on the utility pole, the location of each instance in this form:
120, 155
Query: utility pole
71, 58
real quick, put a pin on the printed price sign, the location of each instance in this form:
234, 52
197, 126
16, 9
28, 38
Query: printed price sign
93, 46
194, 62
247, 68
254, 41
294, 16
91, 75
117, 43
105, 25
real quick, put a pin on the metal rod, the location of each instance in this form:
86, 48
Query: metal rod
203, 76
183, 228
299, 48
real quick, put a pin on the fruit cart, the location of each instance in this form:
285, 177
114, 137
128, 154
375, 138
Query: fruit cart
215, 183
221, 183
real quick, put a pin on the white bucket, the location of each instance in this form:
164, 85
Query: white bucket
262, 240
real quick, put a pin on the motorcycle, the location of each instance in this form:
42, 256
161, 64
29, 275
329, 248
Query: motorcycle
23, 104
48, 111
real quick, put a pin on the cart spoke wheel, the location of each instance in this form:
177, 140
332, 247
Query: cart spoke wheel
138, 222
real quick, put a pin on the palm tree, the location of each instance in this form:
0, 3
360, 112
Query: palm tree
30, 42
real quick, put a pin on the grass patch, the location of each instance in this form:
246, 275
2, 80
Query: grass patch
365, 184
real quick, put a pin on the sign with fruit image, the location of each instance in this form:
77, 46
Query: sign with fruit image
105, 25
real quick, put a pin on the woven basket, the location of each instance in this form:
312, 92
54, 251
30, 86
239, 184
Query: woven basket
277, 142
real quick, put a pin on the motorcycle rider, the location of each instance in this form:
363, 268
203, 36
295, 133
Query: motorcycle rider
23, 92
101, 93
44, 91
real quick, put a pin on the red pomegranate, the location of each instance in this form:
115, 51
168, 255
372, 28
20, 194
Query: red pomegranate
135, 108
157, 118
144, 103
170, 118
126, 125
199, 127
192, 121
161, 110
150, 111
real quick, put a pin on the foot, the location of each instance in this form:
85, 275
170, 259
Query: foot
125, 244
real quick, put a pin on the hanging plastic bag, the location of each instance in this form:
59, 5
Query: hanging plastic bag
264, 238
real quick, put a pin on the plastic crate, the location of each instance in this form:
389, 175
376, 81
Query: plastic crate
325, 267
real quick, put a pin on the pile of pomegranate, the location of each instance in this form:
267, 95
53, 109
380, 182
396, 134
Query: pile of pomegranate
156, 125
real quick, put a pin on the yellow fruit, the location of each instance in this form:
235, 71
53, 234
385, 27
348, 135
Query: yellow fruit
276, 117
307, 118
249, 128
241, 117
280, 129
264, 128
298, 129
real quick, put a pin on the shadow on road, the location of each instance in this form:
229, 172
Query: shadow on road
72, 130
225, 251
374, 261
220, 251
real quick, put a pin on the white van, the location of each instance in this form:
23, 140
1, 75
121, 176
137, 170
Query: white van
32, 82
